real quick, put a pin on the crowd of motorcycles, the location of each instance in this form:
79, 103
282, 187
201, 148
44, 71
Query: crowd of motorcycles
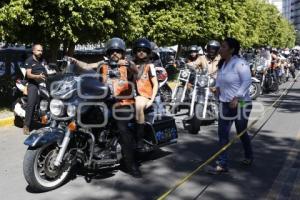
68, 136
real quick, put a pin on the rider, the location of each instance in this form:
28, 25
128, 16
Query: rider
146, 85
275, 64
123, 92
192, 57
211, 59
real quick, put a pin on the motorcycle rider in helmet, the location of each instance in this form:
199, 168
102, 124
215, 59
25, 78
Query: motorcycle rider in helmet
193, 55
275, 65
123, 92
211, 59
146, 85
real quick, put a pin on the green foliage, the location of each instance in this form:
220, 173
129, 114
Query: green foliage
167, 22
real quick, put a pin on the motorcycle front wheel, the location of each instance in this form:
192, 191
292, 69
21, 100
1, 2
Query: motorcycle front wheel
176, 107
39, 170
254, 90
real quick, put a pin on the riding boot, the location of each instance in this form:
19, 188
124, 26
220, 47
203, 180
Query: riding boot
140, 136
130, 165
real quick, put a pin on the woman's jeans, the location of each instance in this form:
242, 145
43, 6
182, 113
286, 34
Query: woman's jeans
227, 116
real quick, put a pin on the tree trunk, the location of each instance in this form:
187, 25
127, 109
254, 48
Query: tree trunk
65, 47
71, 49
54, 48
179, 49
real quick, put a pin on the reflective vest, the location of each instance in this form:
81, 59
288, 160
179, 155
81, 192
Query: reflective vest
144, 84
122, 89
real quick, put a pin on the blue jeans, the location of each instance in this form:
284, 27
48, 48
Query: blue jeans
227, 116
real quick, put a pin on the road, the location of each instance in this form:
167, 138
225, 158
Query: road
275, 173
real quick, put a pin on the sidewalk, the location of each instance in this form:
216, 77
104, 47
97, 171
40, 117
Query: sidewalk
6, 118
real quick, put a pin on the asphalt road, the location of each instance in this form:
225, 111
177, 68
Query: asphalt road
275, 173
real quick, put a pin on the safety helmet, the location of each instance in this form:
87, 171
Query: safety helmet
200, 50
142, 43
115, 44
213, 44
193, 48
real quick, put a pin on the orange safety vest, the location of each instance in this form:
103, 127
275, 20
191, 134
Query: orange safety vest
122, 89
144, 84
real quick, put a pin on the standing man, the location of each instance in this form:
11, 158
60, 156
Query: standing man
35, 74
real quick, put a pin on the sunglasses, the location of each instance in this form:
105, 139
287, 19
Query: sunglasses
111, 51
142, 50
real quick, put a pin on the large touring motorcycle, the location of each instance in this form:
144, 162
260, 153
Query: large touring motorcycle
82, 121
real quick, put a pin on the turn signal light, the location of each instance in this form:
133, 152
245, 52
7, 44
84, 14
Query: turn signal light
72, 126
44, 119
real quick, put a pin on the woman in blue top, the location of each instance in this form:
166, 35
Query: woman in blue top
233, 82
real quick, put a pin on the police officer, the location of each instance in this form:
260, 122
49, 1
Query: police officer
35, 74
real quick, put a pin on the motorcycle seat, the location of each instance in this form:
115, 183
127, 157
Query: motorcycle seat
23, 82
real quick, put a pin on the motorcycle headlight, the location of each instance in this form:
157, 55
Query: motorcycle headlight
184, 74
71, 110
43, 105
212, 82
259, 68
202, 81
57, 107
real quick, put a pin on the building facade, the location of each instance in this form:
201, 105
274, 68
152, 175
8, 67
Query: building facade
295, 13
290, 9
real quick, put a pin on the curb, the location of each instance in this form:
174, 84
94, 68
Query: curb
9, 121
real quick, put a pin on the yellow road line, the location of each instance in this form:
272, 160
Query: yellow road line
213, 157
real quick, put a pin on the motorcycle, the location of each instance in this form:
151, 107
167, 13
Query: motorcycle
82, 121
41, 115
255, 88
164, 89
180, 93
203, 106
265, 77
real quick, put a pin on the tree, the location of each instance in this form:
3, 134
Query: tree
54, 21
167, 22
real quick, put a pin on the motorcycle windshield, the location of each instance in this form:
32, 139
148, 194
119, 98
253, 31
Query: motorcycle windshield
64, 88
92, 88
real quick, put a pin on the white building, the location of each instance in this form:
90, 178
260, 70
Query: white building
278, 4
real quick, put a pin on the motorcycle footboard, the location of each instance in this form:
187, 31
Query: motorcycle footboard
162, 132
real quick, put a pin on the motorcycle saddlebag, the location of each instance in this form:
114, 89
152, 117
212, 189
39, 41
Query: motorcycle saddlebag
162, 132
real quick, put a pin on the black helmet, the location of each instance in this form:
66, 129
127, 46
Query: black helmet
193, 48
142, 43
213, 44
115, 44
